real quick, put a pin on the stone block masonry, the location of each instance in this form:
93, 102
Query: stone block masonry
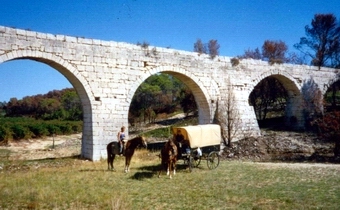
106, 75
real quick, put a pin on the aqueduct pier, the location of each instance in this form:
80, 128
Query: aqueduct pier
106, 75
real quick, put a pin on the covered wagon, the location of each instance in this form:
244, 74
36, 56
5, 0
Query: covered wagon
198, 142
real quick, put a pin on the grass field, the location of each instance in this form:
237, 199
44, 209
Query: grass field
71, 183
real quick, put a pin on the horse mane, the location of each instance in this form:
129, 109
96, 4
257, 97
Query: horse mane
135, 141
130, 147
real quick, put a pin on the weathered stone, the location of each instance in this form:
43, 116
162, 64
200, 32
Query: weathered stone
106, 74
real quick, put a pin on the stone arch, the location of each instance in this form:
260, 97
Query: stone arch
205, 101
293, 111
75, 78
327, 88
329, 84
286, 79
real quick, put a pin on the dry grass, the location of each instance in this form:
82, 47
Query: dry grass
77, 184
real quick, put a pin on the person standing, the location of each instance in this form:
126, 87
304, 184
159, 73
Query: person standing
121, 138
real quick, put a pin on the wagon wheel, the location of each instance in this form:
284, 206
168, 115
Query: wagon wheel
196, 158
191, 163
213, 160
188, 161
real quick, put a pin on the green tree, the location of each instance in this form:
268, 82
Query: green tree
71, 105
47, 108
12, 109
160, 93
322, 39
144, 99
57, 104
188, 102
2, 108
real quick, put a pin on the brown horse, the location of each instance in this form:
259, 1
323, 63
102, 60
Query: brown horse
112, 150
130, 146
169, 158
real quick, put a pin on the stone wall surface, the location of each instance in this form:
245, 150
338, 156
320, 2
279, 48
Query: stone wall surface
106, 75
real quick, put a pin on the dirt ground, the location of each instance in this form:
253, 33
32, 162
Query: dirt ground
284, 149
49, 147
274, 148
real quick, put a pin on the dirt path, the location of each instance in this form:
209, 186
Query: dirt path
65, 146
32, 149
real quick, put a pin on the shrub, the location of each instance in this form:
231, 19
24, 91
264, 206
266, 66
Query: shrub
234, 61
6, 133
53, 128
328, 127
21, 132
24, 128
66, 128
77, 127
39, 130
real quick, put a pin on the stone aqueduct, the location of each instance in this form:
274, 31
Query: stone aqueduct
106, 75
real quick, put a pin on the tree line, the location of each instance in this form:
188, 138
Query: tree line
56, 113
159, 94
60, 111
55, 105
320, 46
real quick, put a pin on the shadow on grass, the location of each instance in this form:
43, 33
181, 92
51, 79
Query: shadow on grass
143, 175
156, 168
151, 168
96, 170
149, 172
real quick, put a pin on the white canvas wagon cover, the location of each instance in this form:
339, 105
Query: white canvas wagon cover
200, 135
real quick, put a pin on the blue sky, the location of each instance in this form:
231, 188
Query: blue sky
237, 25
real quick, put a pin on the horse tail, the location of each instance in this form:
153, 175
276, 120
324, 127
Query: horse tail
109, 148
